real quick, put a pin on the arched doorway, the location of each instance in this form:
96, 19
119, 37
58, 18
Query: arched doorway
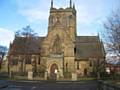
53, 72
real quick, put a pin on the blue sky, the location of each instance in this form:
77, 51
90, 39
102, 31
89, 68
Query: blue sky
16, 14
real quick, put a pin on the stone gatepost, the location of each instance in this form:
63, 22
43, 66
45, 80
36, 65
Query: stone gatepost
30, 75
74, 77
58, 75
11, 74
46, 75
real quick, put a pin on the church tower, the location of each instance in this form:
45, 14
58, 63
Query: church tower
63, 18
59, 45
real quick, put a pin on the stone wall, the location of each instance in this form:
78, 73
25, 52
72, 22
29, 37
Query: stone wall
83, 64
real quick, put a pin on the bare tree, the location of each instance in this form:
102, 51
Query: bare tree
112, 34
112, 39
25, 32
28, 36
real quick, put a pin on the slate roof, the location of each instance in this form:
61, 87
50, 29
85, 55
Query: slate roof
88, 47
29, 45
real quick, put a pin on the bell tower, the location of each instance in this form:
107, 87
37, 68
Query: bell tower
64, 18
58, 46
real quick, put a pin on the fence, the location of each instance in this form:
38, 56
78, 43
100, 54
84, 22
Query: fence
106, 86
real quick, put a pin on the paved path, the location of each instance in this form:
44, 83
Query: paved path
3, 83
83, 85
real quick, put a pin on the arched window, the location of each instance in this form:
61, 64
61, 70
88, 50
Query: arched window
69, 20
51, 20
57, 48
64, 21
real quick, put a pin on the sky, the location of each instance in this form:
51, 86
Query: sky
16, 14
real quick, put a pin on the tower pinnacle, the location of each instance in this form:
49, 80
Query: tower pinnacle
73, 5
70, 3
51, 3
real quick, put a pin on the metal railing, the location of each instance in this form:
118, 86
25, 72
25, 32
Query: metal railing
107, 86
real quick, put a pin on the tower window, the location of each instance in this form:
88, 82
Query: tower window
51, 20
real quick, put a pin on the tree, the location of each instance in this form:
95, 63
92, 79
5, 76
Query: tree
112, 35
28, 34
3, 51
25, 32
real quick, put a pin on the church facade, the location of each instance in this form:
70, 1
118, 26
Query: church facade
61, 51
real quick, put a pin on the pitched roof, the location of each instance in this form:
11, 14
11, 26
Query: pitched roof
83, 39
88, 47
30, 45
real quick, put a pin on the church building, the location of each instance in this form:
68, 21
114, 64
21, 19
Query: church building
61, 53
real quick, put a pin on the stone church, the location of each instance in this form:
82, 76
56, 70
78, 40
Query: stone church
61, 53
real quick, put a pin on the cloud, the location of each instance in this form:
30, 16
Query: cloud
90, 13
33, 15
87, 10
6, 36
33, 12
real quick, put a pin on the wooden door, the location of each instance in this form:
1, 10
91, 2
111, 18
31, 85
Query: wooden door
53, 73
